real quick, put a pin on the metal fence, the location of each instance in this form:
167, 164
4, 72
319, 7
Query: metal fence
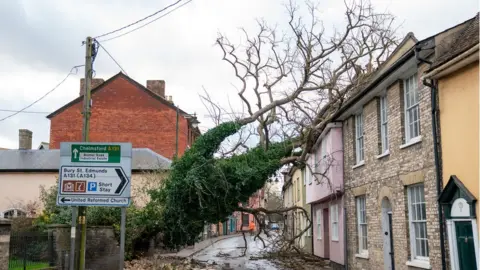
31, 250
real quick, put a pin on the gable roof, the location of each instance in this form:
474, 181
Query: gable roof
450, 189
132, 81
461, 42
375, 78
44, 146
143, 159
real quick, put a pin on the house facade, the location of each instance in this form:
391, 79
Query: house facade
324, 193
298, 192
123, 110
243, 219
391, 187
454, 80
288, 201
24, 171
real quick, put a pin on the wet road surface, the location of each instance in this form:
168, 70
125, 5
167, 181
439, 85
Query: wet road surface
228, 252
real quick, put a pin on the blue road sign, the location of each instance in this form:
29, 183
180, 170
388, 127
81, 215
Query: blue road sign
92, 186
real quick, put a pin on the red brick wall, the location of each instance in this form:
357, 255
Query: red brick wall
123, 113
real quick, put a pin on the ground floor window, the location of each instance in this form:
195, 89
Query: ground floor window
418, 222
362, 224
11, 213
319, 224
334, 220
245, 219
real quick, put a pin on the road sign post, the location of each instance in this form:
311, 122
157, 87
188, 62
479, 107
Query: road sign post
95, 174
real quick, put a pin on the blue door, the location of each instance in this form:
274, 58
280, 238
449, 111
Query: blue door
233, 221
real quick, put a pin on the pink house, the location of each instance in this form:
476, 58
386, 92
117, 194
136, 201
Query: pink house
324, 190
243, 219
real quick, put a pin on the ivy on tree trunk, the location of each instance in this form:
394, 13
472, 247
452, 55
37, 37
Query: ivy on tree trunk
202, 189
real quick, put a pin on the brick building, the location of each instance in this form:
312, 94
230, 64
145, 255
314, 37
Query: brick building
391, 187
123, 110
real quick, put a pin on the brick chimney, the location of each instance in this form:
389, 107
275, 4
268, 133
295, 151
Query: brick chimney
95, 82
157, 87
24, 139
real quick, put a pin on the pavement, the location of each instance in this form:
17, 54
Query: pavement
190, 251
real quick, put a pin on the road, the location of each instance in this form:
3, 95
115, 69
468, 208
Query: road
228, 252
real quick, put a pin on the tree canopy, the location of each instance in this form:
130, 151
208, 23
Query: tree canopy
202, 189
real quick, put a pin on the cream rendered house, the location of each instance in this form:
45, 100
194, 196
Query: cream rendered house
23, 171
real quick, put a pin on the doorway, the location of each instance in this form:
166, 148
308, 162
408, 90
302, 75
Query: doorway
465, 245
388, 255
326, 234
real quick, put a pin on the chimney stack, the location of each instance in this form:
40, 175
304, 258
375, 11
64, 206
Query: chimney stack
95, 82
24, 139
157, 87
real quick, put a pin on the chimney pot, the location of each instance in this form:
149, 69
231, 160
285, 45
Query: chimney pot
157, 87
24, 139
95, 82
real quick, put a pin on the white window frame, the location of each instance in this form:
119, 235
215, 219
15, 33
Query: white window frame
312, 170
361, 204
334, 221
416, 219
304, 175
411, 88
319, 224
384, 123
299, 187
359, 142
305, 225
17, 212
323, 155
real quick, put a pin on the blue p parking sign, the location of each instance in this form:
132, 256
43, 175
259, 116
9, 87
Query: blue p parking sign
92, 186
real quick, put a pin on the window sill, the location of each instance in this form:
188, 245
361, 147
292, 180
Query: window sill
362, 256
411, 142
362, 163
386, 153
419, 264
335, 240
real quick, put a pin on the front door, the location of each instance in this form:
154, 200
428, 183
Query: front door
465, 245
326, 233
388, 259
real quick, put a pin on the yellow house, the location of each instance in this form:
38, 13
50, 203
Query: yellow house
299, 199
454, 77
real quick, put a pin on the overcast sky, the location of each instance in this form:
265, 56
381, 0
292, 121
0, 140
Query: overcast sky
41, 40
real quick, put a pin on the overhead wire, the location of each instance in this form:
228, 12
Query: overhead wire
113, 58
141, 26
5, 110
139, 21
75, 68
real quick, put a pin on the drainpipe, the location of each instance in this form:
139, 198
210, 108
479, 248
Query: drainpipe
434, 104
345, 236
311, 234
345, 240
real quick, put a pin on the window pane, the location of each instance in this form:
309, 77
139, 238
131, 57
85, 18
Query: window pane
418, 247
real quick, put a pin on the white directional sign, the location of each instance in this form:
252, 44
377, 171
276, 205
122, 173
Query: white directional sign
95, 174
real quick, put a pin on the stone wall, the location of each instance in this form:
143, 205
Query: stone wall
388, 176
4, 243
102, 247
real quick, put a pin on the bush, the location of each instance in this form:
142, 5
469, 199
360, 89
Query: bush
97, 216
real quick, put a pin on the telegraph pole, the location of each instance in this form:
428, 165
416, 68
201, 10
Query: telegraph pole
86, 126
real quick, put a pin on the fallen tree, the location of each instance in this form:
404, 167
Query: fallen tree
202, 190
